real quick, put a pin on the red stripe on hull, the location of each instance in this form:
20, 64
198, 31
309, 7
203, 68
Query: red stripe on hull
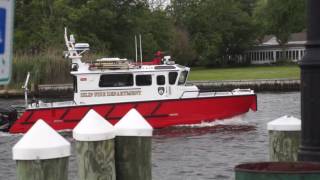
159, 114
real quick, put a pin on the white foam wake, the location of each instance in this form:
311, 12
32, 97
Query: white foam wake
237, 120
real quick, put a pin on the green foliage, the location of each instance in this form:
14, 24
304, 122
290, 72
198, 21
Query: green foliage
195, 32
220, 30
281, 18
39, 25
248, 6
108, 25
181, 49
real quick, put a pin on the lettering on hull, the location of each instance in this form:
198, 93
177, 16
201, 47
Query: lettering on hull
110, 93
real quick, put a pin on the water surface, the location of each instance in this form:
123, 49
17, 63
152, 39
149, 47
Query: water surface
206, 151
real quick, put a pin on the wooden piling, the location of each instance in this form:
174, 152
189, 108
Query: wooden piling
95, 148
284, 138
50, 169
42, 154
133, 147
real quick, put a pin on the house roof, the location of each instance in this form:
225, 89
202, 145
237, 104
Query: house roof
295, 38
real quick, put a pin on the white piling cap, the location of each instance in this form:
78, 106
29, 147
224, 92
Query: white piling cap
285, 123
93, 127
41, 142
133, 124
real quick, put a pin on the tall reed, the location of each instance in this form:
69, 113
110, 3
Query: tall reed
46, 68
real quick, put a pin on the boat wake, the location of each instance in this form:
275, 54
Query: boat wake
232, 125
237, 120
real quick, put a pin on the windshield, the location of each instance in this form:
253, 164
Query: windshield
183, 77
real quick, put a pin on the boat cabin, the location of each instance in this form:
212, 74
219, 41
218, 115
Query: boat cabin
138, 83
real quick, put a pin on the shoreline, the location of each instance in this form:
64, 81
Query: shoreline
260, 85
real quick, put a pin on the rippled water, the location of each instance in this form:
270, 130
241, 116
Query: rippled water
206, 151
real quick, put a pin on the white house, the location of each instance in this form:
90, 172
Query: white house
269, 50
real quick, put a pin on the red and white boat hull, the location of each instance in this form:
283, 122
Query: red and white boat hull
160, 114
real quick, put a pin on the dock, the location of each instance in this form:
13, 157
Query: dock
260, 85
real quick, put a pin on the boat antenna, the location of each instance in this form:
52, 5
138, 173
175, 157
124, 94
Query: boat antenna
25, 87
140, 49
136, 47
68, 43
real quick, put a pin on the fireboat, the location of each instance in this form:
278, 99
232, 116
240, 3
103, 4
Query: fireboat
113, 86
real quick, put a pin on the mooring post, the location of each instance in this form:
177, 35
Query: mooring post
310, 87
42, 154
133, 147
95, 148
284, 138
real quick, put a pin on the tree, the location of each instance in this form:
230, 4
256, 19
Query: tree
282, 18
38, 24
220, 31
181, 11
108, 25
248, 6
182, 51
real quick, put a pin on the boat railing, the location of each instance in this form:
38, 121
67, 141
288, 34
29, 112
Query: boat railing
186, 92
191, 94
50, 104
205, 93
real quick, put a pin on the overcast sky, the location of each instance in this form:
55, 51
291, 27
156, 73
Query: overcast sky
156, 3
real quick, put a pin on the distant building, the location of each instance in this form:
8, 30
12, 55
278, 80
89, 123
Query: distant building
269, 50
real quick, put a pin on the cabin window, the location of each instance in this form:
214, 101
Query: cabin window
161, 80
143, 80
116, 80
183, 77
172, 77
75, 84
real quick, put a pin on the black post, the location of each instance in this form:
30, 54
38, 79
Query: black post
310, 88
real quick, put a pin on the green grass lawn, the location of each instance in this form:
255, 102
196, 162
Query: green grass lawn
246, 73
